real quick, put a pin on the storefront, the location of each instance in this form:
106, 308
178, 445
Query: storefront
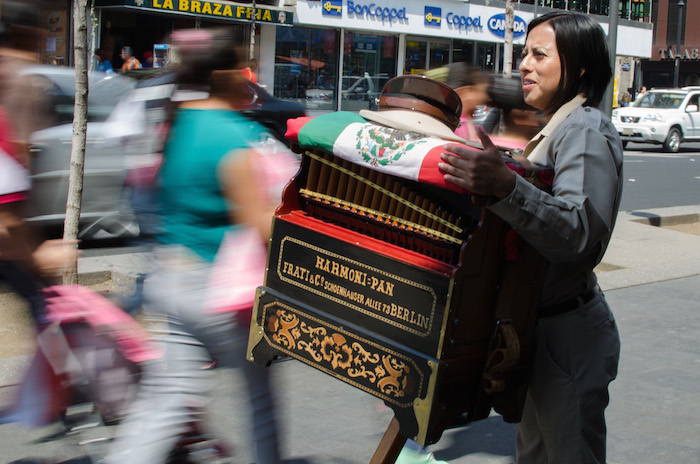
341, 52
144, 25
54, 22
660, 70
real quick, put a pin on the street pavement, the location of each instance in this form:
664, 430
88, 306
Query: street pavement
651, 278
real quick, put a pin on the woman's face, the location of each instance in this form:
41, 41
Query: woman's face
540, 69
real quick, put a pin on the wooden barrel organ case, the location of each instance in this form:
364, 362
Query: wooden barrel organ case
409, 292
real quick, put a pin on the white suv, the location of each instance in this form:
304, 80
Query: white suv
663, 116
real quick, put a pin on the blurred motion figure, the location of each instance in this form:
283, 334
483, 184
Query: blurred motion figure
217, 197
27, 262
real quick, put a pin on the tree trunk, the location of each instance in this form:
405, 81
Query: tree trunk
77, 158
92, 39
508, 40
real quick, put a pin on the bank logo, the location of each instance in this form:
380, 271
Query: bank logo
332, 7
497, 25
433, 16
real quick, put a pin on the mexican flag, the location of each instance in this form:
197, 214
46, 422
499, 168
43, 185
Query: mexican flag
351, 137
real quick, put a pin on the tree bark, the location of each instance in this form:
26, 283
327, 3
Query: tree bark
77, 159
508, 40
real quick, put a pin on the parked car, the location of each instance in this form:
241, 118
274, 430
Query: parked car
661, 116
104, 211
258, 104
106, 207
270, 111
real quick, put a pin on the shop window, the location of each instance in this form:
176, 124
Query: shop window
369, 61
599, 7
416, 56
639, 10
463, 50
578, 5
55, 27
306, 66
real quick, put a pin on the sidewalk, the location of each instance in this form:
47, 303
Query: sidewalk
651, 277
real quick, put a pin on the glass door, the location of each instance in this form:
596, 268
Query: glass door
368, 62
424, 54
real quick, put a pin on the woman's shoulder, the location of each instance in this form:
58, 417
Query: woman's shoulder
582, 118
585, 122
588, 115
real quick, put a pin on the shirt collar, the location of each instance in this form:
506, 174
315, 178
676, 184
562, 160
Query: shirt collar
562, 113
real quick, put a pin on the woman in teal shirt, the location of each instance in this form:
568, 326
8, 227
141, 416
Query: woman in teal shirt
208, 190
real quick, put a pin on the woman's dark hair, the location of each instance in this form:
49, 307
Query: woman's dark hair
104, 56
203, 51
584, 55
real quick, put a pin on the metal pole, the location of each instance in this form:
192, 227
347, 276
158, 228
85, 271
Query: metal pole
251, 54
614, 7
677, 60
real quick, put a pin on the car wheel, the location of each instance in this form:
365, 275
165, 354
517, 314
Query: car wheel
673, 141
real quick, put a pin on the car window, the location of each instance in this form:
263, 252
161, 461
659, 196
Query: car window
694, 100
59, 89
661, 100
104, 94
60, 104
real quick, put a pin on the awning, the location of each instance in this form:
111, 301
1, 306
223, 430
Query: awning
215, 9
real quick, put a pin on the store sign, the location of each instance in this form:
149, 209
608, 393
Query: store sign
497, 25
433, 16
332, 8
689, 54
465, 22
218, 9
376, 11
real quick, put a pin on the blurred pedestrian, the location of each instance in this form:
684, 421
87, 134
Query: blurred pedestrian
27, 261
103, 63
147, 61
23, 97
250, 71
472, 86
626, 98
215, 201
130, 61
565, 71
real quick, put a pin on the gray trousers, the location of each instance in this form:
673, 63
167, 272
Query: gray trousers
576, 357
173, 389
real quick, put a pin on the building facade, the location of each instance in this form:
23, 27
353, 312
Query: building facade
55, 18
667, 53
341, 52
337, 54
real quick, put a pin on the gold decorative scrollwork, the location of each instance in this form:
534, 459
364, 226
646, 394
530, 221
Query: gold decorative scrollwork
283, 325
390, 375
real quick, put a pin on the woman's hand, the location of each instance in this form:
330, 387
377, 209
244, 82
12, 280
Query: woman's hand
481, 172
53, 256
